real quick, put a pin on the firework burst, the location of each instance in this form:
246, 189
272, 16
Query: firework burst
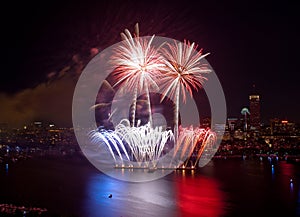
183, 71
110, 139
146, 143
137, 65
192, 141
173, 69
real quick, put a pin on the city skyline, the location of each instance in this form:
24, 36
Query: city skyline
46, 50
251, 106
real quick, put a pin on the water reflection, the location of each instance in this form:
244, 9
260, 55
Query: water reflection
154, 198
180, 194
199, 196
221, 188
288, 184
273, 172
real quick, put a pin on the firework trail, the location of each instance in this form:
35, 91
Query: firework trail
146, 143
110, 139
138, 64
192, 141
183, 71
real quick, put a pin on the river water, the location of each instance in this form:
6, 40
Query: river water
73, 187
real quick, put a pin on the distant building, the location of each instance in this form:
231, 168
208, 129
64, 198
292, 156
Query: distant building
232, 123
219, 129
238, 134
245, 112
282, 127
254, 101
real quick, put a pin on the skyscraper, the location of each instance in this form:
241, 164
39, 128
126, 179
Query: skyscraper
254, 112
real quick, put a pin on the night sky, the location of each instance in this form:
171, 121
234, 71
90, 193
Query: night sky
45, 46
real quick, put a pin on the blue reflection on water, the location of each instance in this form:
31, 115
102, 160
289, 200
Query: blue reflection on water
154, 198
291, 186
273, 172
98, 190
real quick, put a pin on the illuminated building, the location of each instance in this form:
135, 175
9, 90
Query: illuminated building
245, 112
282, 127
254, 112
232, 123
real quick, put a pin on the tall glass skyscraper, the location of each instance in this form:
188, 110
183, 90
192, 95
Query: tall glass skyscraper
254, 112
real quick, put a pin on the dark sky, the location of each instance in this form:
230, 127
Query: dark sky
44, 47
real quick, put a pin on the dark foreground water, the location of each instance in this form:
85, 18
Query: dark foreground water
73, 187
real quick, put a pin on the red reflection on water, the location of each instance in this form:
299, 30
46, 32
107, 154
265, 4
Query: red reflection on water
199, 196
287, 183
